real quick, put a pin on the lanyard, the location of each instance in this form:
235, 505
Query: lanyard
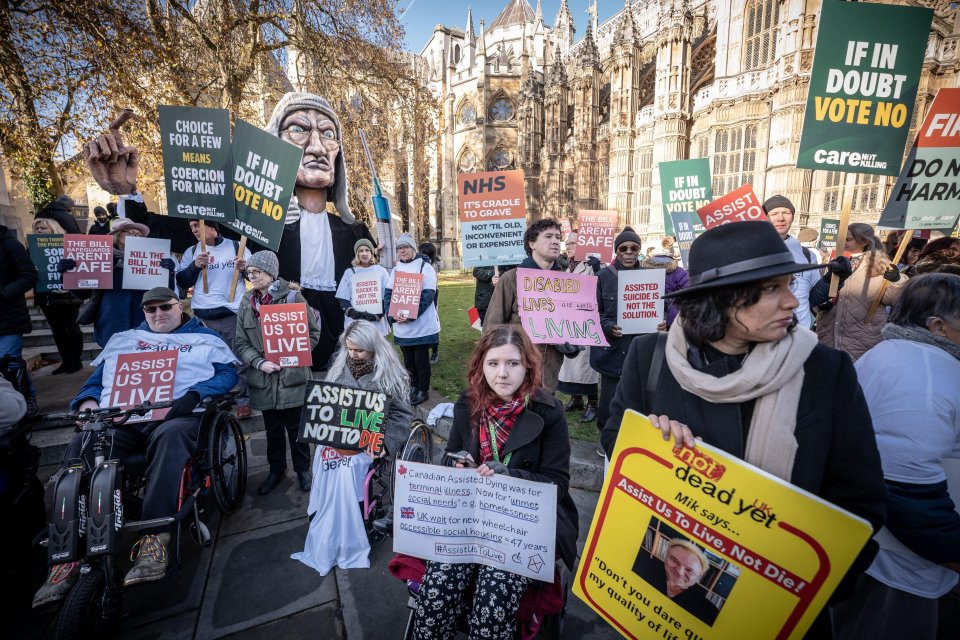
493, 445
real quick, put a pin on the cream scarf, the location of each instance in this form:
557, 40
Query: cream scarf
773, 375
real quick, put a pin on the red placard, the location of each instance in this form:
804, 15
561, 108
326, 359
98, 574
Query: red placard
285, 331
94, 258
405, 299
595, 234
144, 377
740, 205
565, 227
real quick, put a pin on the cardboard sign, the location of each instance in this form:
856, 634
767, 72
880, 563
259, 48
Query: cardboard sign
343, 417
640, 299
774, 552
458, 516
264, 174
863, 86
144, 377
492, 217
558, 307
685, 232
829, 228
285, 330
94, 258
196, 162
927, 193
141, 263
740, 205
405, 297
366, 295
596, 231
685, 186
46, 251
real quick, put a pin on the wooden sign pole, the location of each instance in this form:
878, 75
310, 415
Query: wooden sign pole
236, 272
203, 248
845, 208
907, 236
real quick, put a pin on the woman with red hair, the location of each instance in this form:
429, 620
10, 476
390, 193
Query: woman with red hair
504, 423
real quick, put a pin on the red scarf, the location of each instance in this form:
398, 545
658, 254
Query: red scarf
499, 419
258, 299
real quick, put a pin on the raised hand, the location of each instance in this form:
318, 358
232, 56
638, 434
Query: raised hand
111, 163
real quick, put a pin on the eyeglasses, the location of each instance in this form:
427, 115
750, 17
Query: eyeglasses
160, 307
253, 273
628, 248
300, 135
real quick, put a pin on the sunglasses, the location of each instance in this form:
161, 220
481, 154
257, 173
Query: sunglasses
628, 248
160, 307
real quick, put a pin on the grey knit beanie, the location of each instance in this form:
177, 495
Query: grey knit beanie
405, 239
266, 261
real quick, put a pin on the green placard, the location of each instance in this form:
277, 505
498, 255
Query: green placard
829, 228
863, 86
196, 162
46, 250
686, 186
264, 173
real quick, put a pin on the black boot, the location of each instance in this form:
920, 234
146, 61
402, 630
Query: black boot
270, 483
385, 524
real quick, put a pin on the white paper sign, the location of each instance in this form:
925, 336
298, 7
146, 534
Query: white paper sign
458, 516
639, 299
141, 263
367, 295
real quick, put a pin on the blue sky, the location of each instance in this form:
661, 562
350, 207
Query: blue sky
424, 15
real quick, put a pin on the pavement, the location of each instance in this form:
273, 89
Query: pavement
246, 586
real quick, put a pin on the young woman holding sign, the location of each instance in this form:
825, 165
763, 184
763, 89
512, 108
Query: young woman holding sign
365, 279
505, 423
277, 391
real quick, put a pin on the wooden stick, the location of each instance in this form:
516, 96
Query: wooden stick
203, 248
848, 187
907, 237
236, 272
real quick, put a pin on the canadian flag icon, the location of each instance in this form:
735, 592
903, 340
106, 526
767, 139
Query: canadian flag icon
474, 316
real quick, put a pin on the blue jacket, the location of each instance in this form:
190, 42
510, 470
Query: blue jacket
223, 380
119, 308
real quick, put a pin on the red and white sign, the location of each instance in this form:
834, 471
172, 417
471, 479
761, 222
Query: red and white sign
596, 231
740, 205
94, 258
367, 296
405, 300
286, 334
565, 228
144, 377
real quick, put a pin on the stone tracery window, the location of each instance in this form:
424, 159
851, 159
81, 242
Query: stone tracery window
468, 114
760, 19
734, 158
502, 110
866, 193
468, 161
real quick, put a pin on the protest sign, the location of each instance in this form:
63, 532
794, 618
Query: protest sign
740, 205
684, 228
685, 187
286, 334
473, 315
558, 307
366, 295
492, 217
264, 173
640, 299
927, 192
343, 417
405, 297
829, 228
144, 377
141, 263
565, 228
94, 258
46, 251
596, 231
196, 162
774, 553
863, 86
458, 516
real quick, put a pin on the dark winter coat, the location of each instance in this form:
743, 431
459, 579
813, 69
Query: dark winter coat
343, 235
609, 360
17, 276
540, 445
675, 280
61, 212
483, 276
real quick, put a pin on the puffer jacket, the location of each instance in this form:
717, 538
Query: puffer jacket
399, 416
842, 326
286, 388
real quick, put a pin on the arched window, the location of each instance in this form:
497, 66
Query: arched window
468, 161
734, 158
761, 18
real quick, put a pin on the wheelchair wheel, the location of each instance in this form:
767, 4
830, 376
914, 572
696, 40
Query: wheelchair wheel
91, 610
227, 462
418, 448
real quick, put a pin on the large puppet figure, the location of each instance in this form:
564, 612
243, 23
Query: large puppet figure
317, 245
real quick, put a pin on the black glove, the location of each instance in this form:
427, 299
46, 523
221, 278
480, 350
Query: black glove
594, 263
66, 264
169, 264
839, 267
369, 317
567, 349
892, 273
498, 467
826, 306
353, 313
184, 405
377, 316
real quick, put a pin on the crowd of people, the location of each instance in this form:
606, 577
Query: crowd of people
752, 356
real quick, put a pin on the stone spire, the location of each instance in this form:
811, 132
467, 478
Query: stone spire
468, 30
558, 74
589, 56
626, 31
563, 26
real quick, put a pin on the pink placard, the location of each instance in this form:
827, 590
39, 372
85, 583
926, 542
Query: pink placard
558, 307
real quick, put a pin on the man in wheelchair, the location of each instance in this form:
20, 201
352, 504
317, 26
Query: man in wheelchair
205, 368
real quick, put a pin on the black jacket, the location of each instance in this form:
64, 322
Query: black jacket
609, 360
17, 276
177, 230
344, 236
483, 276
541, 452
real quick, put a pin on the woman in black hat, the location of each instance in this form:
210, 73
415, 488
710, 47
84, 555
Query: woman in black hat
736, 371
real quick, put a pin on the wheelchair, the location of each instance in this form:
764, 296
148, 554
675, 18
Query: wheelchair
97, 505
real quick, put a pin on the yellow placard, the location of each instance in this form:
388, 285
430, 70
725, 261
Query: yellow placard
695, 544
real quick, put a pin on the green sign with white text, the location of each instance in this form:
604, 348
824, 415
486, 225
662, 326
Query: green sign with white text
685, 187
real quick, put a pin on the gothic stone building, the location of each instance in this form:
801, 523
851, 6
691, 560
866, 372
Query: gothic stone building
588, 120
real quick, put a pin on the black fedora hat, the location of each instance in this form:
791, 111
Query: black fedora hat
736, 253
